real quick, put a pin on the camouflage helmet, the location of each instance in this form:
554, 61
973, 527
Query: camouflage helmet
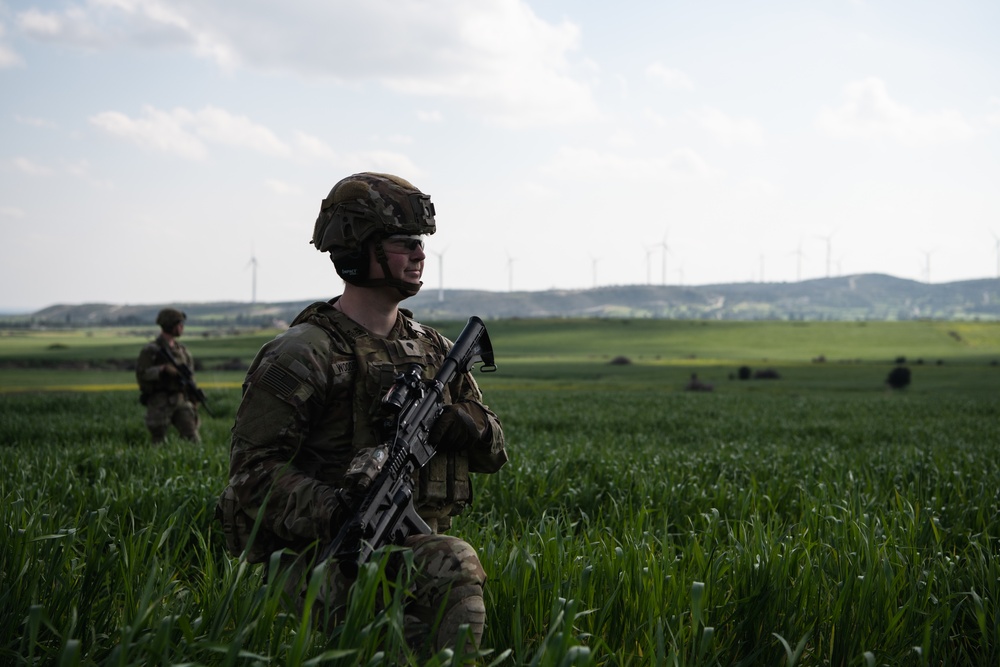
367, 205
168, 318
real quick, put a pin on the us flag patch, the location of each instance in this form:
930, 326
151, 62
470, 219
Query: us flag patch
279, 381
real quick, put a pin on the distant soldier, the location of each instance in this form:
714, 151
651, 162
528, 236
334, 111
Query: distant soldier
160, 371
694, 384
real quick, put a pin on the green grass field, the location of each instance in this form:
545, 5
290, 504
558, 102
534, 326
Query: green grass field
815, 519
857, 355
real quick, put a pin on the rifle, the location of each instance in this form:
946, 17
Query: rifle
384, 514
191, 389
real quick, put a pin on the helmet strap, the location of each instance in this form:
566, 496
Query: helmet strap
405, 289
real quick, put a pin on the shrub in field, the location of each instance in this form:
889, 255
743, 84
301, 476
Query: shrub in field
744, 373
898, 378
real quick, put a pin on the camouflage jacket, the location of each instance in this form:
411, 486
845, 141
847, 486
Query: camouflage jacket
151, 359
308, 405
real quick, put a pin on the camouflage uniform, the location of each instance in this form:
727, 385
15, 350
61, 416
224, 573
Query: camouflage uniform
310, 398
163, 394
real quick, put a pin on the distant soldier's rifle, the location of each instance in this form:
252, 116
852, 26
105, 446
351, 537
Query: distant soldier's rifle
186, 375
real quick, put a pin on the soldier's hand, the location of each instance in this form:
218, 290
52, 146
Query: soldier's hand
169, 369
460, 426
346, 499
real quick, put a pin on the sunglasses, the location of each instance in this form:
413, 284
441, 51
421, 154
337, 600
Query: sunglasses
402, 245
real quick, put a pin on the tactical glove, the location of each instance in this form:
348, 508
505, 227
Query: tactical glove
460, 426
343, 510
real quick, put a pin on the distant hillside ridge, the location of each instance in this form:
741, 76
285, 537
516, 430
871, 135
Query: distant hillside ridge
856, 297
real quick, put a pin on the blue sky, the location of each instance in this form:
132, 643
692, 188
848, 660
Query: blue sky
150, 149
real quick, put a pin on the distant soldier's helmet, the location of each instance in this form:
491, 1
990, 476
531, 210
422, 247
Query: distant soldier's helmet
367, 208
168, 318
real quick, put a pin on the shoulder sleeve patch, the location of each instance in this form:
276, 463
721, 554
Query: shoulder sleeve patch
294, 365
287, 378
279, 381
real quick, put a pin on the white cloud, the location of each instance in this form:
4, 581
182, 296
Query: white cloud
401, 139
313, 146
671, 78
76, 168
993, 116
31, 167
282, 188
11, 212
728, 130
589, 164
103, 24
430, 116
157, 130
656, 119
869, 113
81, 169
496, 56
384, 161
34, 122
621, 138
509, 65
74, 26
8, 57
42, 24
218, 126
184, 133
759, 188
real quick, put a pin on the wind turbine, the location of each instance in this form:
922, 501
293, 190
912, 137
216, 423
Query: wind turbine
649, 264
927, 265
829, 245
593, 265
798, 264
510, 273
253, 280
997, 241
665, 249
440, 256
840, 262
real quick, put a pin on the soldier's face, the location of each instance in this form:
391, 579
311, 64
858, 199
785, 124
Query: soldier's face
405, 257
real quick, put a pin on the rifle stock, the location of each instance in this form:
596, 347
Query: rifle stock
385, 514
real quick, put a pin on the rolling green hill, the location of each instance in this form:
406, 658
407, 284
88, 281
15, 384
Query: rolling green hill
860, 297
656, 353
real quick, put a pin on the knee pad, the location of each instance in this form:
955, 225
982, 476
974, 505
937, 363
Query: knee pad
464, 607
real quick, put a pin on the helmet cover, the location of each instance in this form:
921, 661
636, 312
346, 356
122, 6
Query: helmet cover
168, 318
367, 205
